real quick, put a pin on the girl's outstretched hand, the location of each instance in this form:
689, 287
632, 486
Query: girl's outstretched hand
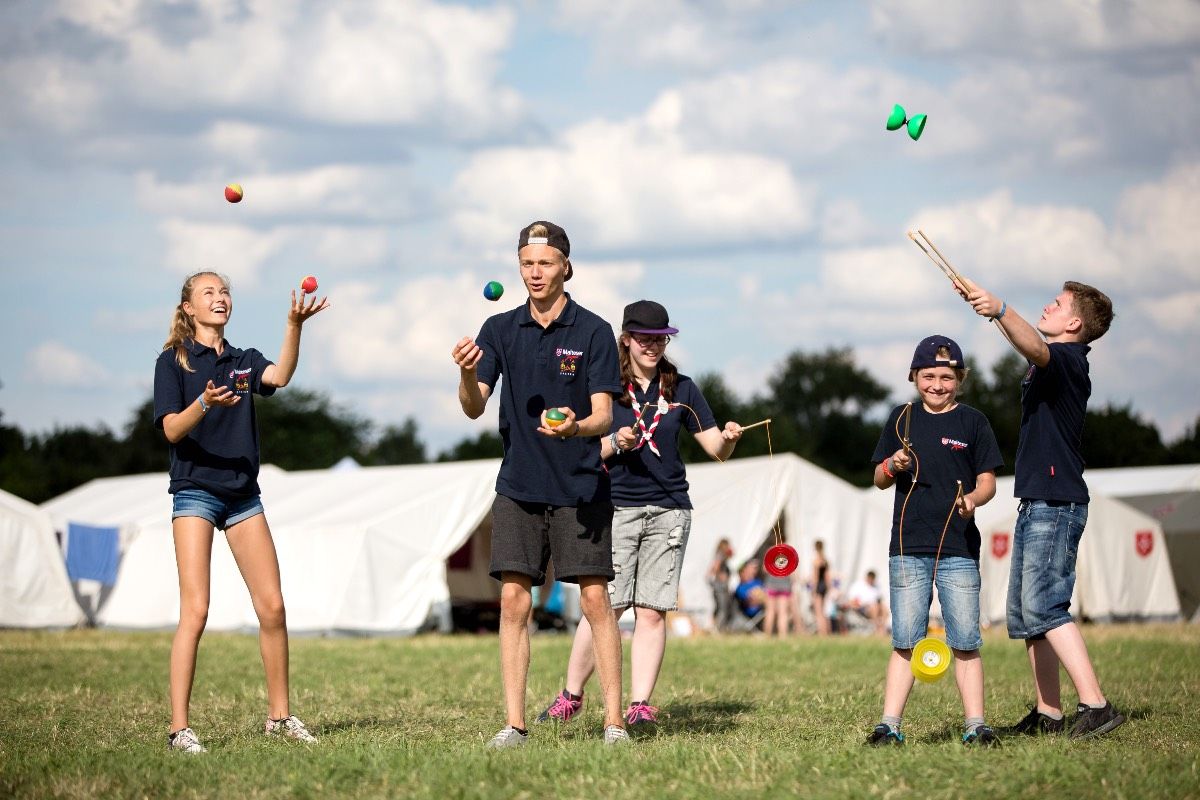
305, 307
220, 395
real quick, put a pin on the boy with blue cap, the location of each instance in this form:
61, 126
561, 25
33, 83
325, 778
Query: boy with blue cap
941, 456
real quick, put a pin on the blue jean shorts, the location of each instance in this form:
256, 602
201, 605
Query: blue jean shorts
648, 543
911, 579
1042, 576
222, 513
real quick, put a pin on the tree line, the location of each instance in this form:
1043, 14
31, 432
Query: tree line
824, 407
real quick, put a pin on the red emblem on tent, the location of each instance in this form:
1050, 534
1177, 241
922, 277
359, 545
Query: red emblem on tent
999, 545
1144, 542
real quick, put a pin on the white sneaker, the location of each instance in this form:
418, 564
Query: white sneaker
506, 738
616, 735
186, 741
291, 727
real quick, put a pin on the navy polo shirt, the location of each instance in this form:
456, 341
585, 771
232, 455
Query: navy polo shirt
957, 445
1053, 406
640, 478
219, 455
561, 365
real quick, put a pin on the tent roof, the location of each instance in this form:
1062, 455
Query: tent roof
1132, 481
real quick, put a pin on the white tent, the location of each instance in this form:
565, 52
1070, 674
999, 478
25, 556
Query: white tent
34, 589
1172, 496
742, 500
359, 551
1122, 571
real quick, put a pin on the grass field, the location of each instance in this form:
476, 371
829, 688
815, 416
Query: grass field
84, 713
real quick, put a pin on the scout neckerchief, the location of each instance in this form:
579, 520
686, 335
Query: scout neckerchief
647, 437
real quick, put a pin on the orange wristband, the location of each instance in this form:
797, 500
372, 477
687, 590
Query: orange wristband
887, 471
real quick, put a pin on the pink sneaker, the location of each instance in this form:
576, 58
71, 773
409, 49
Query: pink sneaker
562, 709
641, 714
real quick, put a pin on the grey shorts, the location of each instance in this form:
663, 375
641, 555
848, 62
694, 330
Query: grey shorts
648, 543
526, 535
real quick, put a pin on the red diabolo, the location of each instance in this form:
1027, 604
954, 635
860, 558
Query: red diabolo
781, 560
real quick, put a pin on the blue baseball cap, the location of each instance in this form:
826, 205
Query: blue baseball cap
926, 354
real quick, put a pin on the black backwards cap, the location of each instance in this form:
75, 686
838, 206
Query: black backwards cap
555, 236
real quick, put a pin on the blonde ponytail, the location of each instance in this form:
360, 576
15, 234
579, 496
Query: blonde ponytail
182, 330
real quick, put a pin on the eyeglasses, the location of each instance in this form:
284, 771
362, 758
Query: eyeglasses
645, 340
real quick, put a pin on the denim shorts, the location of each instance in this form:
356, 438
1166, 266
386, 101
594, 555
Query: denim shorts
1042, 576
222, 513
911, 579
648, 544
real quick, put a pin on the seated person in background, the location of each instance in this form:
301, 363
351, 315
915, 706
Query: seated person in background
866, 598
750, 595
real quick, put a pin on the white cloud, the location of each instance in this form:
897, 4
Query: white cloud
233, 250
671, 32
329, 191
999, 243
55, 364
632, 184
405, 337
1032, 28
1013, 118
1158, 228
415, 63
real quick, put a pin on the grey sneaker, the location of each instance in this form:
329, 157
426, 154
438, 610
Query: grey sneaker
506, 738
291, 727
185, 740
616, 735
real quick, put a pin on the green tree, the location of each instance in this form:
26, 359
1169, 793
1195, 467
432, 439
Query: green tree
145, 447
1186, 449
998, 396
485, 445
725, 407
303, 429
69, 457
20, 472
399, 444
1114, 436
820, 404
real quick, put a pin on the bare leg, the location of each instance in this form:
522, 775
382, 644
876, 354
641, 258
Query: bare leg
968, 672
1071, 650
606, 641
1044, 663
649, 644
582, 662
516, 601
899, 683
193, 554
819, 614
786, 620
769, 616
254, 550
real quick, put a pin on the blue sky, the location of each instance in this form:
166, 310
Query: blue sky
728, 159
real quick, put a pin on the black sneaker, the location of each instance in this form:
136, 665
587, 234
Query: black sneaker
1091, 722
981, 736
1035, 723
884, 735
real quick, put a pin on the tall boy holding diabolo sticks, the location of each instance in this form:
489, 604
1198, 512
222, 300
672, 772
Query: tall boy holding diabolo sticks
552, 494
942, 457
1054, 500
